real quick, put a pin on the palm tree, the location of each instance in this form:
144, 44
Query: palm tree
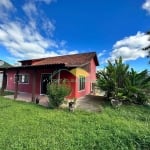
139, 86
114, 77
140, 80
122, 84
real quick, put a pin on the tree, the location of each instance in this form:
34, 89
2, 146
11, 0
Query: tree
139, 86
114, 77
121, 83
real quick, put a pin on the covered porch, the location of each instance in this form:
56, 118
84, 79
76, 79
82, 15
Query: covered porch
33, 83
26, 97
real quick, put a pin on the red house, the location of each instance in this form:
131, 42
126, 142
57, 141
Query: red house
33, 75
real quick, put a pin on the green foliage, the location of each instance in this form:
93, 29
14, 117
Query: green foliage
31, 127
138, 86
122, 84
56, 93
7, 92
113, 77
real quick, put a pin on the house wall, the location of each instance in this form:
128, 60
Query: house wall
91, 78
72, 81
27, 88
23, 87
93, 71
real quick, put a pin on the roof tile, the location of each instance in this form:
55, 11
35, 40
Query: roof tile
68, 60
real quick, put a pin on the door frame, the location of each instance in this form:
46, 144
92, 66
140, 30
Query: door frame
41, 82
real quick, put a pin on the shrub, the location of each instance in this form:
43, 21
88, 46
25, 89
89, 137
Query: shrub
56, 93
123, 84
136, 95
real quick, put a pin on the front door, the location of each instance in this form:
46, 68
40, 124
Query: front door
45, 79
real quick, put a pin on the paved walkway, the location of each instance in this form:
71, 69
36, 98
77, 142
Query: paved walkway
27, 98
88, 103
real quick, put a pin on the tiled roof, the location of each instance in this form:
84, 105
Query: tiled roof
67, 60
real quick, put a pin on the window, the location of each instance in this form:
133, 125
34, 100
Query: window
81, 83
22, 78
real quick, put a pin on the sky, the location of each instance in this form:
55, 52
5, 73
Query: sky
44, 28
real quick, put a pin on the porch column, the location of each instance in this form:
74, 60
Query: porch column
58, 77
16, 84
33, 85
4, 82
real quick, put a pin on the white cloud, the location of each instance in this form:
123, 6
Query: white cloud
5, 7
101, 53
63, 43
146, 6
6, 4
27, 39
130, 48
46, 1
37, 17
22, 41
73, 52
66, 52
48, 26
30, 9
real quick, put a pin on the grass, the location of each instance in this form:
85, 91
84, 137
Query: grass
26, 126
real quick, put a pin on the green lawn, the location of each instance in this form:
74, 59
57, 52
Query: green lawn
26, 126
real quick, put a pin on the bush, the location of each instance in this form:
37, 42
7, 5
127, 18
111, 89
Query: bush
56, 93
136, 95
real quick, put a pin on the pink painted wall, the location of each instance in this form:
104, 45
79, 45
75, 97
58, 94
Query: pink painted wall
88, 81
72, 81
22, 87
27, 88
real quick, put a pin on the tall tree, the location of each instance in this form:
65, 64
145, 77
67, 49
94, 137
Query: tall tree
121, 83
115, 76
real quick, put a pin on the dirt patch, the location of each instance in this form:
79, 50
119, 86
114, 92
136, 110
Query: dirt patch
90, 103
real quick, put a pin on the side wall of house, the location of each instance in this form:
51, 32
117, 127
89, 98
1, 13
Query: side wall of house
91, 78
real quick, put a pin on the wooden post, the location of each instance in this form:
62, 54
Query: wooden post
58, 77
33, 85
4, 82
16, 84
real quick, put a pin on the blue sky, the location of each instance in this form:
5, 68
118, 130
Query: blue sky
43, 28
